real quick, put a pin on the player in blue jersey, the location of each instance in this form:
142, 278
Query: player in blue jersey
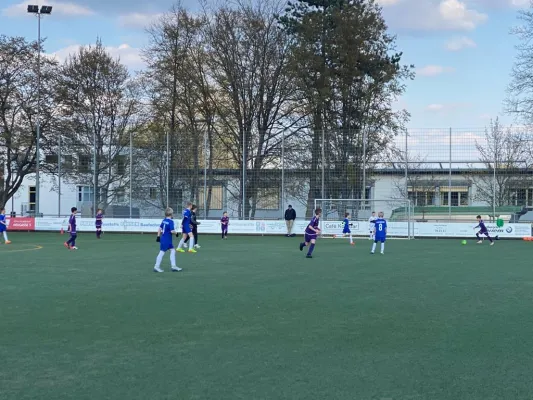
71, 243
186, 229
3, 225
482, 231
380, 232
311, 232
346, 227
164, 238
98, 222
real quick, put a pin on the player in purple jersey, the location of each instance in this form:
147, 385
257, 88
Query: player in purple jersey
98, 223
164, 238
3, 225
311, 233
482, 231
224, 222
71, 243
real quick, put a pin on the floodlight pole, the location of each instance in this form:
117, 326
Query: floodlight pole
34, 9
38, 139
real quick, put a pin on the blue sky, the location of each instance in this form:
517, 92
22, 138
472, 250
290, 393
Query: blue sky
462, 49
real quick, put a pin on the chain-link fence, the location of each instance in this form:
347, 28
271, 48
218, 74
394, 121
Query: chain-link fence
447, 174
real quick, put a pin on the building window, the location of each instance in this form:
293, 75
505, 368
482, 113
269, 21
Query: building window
268, 199
153, 193
85, 194
68, 162
216, 198
463, 201
120, 195
422, 198
121, 165
51, 159
32, 198
84, 163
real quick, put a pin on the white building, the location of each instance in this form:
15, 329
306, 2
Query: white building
428, 191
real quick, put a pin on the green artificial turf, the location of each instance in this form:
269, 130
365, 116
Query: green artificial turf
251, 318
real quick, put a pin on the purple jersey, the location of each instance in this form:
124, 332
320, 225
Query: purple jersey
482, 227
224, 221
72, 224
99, 220
314, 224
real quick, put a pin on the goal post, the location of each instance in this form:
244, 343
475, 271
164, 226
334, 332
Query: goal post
398, 213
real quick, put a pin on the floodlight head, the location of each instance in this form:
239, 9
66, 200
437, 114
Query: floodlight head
46, 10
33, 9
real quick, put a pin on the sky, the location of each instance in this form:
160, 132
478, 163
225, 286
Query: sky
462, 50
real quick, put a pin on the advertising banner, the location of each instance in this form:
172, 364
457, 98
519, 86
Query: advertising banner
20, 224
266, 227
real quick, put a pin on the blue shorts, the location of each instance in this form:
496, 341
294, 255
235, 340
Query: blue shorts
2, 228
381, 239
346, 230
165, 246
186, 229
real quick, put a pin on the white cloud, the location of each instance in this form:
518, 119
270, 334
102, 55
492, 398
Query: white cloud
458, 15
129, 56
62, 9
446, 108
434, 15
433, 70
435, 107
460, 43
385, 3
137, 20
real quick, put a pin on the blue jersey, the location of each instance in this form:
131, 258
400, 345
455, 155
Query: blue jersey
3, 223
315, 221
381, 227
187, 217
346, 227
167, 226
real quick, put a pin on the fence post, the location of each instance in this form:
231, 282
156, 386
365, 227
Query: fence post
59, 179
450, 179
282, 172
131, 174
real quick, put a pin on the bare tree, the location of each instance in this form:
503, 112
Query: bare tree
519, 102
506, 155
256, 98
18, 110
99, 104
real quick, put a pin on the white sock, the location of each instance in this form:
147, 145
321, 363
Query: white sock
159, 258
182, 241
351, 240
382, 247
173, 257
373, 247
191, 241
5, 236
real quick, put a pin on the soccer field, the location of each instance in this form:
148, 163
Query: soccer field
251, 318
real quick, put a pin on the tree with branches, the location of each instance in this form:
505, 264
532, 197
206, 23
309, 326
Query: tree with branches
19, 110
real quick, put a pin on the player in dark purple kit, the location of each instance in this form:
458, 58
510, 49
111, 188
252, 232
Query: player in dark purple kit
482, 231
311, 233
98, 223
71, 243
224, 222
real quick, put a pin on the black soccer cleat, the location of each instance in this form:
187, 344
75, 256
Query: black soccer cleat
309, 256
302, 245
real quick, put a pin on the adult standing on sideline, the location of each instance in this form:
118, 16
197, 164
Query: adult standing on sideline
290, 216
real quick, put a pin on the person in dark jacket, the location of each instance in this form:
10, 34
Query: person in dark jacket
195, 224
290, 216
